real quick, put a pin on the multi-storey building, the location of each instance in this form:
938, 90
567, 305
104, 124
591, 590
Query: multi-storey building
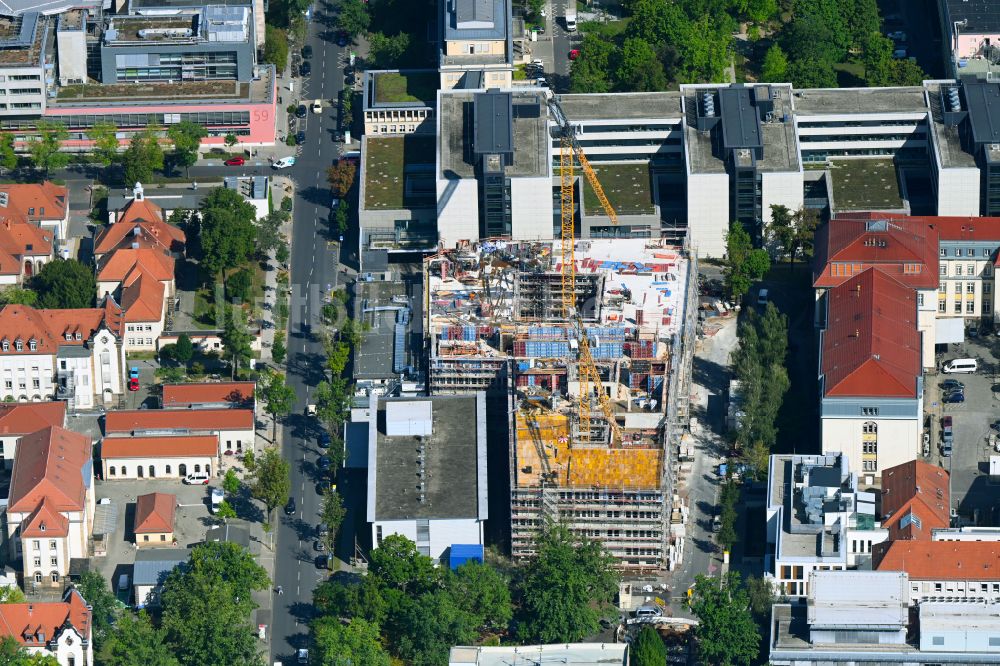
915, 501
817, 520
233, 429
871, 381
971, 35
50, 511
944, 570
62, 630
399, 102
476, 48
72, 355
20, 419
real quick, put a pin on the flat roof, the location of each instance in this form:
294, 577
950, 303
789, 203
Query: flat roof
828, 101
493, 129
565, 654
740, 119
660, 106
959, 616
865, 184
475, 19
531, 143
22, 38
947, 138
451, 475
853, 598
388, 162
46, 7
983, 101
401, 87
152, 566
981, 16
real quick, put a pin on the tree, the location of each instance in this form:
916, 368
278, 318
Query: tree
483, 593
184, 349
879, 68
743, 263
282, 254
278, 400
760, 593
12, 654
94, 589
648, 650
45, 147
230, 140
271, 481
385, 51
186, 136
12, 595
342, 216
640, 69
341, 177
907, 73
783, 230
225, 510
357, 642
805, 220
275, 47
774, 69
398, 565
105, 138
726, 632
8, 157
227, 231
332, 514
812, 74
66, 284
425, 628
269, 235
143, 156
235, 340
278, 350
353, 17
239, 286
589, 74
207, 604
567, 573
231, 483
136, 642
18, 296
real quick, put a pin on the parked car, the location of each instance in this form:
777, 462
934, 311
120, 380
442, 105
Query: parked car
300, 137
951, 385
235, 161
302, 656
323, 441
133, 379
897, 35
290, 507
342, 39
952, 398
323, 462
319, 546
947, 433
301, 111
284, 162
307, 51
216, 496
574, 54
322, 561
322, 530
197, 479
305, 69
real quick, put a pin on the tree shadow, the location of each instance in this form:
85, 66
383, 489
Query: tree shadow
710, 374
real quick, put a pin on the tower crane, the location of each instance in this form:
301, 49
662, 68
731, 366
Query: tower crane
569, 148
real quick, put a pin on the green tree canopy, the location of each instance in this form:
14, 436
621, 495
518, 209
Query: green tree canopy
276, 47
744, 264
11, 595
235, 339
8, 156
332, 514
353, 17
357, 642
278, 398
590, 73
105, 138
386, 51
143, 156
227, 231
94, 589
271, 482
136, 642
396, 563
567, 573
18, 296
64, 283
640, 69
774, 69
426, 627
879, 65
483, 593
186, 137
726, 633
184, 348
45, 148
648, 649
12, 654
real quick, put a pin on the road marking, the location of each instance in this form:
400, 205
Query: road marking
298, 575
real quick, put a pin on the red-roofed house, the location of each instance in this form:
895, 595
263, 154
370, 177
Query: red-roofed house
59, 629
209, 394
42, 204
140, 224
72, 355
154, 520
24, 249
50, 509
915, 500
939, 569
233, 428
20, 419
169, 457
871, 378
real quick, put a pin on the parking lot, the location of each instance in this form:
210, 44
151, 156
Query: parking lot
972, 493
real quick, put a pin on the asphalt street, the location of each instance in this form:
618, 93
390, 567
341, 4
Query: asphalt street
314, 265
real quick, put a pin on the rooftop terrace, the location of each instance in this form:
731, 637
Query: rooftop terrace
402, 87
627, 187
386, 162
865, 185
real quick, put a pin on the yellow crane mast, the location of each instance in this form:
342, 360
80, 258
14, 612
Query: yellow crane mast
569, 148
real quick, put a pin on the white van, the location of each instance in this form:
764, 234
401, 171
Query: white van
959, 365
762, 297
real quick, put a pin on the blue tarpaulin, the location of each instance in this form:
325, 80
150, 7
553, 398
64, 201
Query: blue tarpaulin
464, 552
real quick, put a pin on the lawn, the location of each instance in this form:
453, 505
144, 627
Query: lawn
627, 187
865, 185
385, 161
394, 87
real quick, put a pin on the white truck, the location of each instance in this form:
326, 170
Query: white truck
571, 15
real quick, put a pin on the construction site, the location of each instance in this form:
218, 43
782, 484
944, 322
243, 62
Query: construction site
594, 373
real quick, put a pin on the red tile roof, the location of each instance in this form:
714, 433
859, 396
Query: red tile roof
159, 447
45, 521
154, 513
24, 418
919, 490
905, 248
33, 202
871, 346
34, 624
48, 328
116, 266
50, 465
127, 421
142, 296
238, 394
140, 222
939, 560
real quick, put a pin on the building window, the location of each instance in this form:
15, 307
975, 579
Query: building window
958, 306
937, 640
52, 544
197, 468
145, 537
38, 576
868, 465
38, 561
943, 269
943, 252
970, 307
54, 561
163, 537
970, 287
869, 448
958, 269
168, 470
970, 252
970, 269
869, 411
920, 300
869, 428
987, 305
55, 576
111, 471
